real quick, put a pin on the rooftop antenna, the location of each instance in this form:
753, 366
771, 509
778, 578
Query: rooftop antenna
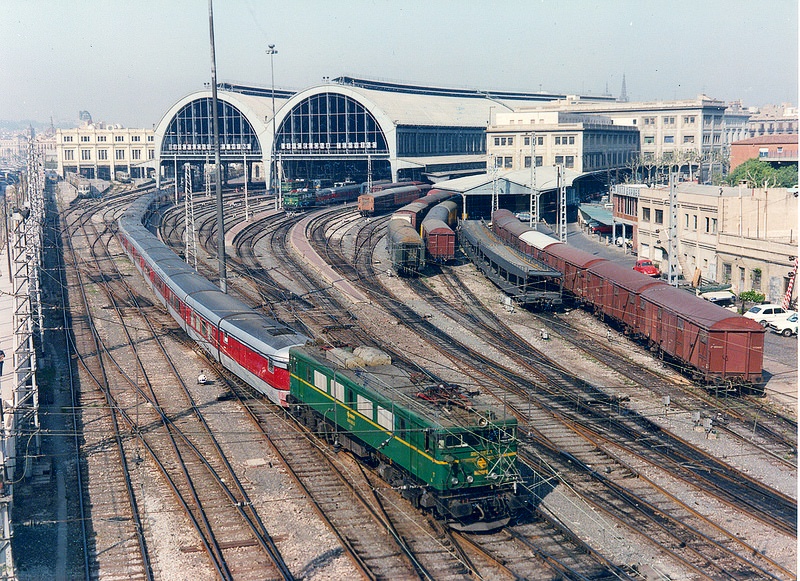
223, 276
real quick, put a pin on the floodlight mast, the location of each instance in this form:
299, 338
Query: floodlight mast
223, 277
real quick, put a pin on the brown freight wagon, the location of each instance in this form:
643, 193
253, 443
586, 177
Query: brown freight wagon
614, 291
437, 231
719, 346
387, 200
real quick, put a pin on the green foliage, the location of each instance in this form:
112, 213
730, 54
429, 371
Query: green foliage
759, 174
751, 296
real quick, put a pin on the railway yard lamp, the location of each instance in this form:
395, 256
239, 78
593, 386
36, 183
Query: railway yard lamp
271, 51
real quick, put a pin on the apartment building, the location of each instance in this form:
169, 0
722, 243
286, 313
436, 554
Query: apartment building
734, 235
584, 143
101, 152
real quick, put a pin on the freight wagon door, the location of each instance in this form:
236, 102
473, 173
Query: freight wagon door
736, 357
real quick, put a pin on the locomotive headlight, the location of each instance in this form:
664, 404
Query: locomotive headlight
454, 481
470, 479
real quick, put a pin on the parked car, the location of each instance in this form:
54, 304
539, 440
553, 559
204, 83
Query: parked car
786, 327
523, 216
767, 313
598, 228
646, 266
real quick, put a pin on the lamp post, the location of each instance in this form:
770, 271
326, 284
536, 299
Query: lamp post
278, 198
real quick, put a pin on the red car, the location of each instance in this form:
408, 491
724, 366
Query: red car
647, 267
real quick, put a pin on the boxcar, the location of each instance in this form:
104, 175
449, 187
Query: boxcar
437, 232
614, 291
405, 247
413, 213
389, 199
718, 345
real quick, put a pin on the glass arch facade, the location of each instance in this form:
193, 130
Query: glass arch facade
330, 124
190, 132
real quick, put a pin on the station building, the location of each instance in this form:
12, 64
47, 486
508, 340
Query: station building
345, 128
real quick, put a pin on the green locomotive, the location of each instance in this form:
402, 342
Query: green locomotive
431, 441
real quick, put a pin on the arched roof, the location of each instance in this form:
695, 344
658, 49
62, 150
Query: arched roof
255, 109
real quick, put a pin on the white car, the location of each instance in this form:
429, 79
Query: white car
786, 327
768, 313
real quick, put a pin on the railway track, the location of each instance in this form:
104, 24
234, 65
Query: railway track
784, 525
156, 415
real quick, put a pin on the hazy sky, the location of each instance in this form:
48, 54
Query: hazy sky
128, 61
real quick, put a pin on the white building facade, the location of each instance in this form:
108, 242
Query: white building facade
103, 153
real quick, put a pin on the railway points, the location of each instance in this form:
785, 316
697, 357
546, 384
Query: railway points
372, 243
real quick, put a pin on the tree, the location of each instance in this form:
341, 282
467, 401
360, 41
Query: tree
759, 174
750, 296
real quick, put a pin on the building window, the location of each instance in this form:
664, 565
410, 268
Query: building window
741, 278
68, 139
688, 120
713, 225
502, 141
498, 162
86, 155
686, 217
69, 154
540, 141
669, 120
539, 161
669, 139
101, 138
136, 154
526, 141
649, 139
645, 214
659, 216
708, 224
756, 276
726, 272
497, 141
558, 141
527, 161
119, 138
694, 222
136, 138
649, 120
508, 163
572, 140
151, 154
569, 161
102, 154
151, 138
85, 138
511, 141
119, 154
559, 159
688, 138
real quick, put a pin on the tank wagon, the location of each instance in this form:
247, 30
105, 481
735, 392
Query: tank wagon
405, 247
388, 199
430, 441
249, 344
437, 232
709, 343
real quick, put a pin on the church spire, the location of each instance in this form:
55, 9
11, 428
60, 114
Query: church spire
623, 95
